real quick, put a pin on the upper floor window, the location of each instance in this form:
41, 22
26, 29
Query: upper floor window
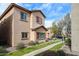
38, 20
23, 16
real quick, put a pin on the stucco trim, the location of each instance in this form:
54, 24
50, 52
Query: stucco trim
39, 28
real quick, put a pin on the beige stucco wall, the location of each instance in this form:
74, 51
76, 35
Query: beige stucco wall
32, 35
75, 27
20, 26
33, 22
11, 12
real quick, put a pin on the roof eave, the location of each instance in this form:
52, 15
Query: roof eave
10, 7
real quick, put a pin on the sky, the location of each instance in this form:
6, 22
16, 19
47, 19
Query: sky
52, 11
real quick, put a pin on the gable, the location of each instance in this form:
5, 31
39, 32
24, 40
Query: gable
41, 28
8, 14
10, 7
39, 12
15, 5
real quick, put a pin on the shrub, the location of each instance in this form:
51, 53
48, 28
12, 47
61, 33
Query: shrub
54, 38
33, 43
61, 53
20, 46
3, 51
68, 41
47, 40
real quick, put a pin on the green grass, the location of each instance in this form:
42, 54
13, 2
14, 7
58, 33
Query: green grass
57, 47
54, 51
30, 49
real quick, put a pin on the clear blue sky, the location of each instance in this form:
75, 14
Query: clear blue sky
52, 11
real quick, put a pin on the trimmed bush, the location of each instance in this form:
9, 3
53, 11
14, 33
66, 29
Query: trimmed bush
3, 51
47, 40
20, 46
33, 43
68, 41
61, 53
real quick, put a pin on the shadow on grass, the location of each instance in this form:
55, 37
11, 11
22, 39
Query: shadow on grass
53, 53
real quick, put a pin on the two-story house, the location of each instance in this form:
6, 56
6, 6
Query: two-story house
19, 25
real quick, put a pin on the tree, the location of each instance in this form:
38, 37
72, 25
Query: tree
63, 27
54, 28
60, 25
67, 21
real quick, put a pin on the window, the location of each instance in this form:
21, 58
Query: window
24, 35
23, 16
38, 20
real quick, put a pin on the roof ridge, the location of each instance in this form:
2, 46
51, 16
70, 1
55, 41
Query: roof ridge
13, 4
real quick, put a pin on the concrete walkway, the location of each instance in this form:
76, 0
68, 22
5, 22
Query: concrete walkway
66, 49
41, 50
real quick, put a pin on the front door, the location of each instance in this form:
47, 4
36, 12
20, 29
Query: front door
40, 35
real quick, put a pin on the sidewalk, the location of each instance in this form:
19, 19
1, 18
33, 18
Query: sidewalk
41, 50
68, 52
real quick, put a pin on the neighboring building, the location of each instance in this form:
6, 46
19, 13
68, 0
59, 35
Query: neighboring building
75, 27
19, 25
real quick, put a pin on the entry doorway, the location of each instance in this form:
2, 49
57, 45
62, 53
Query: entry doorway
40, 36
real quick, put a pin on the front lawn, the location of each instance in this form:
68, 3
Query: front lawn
30, 49
55, 51
57, 47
